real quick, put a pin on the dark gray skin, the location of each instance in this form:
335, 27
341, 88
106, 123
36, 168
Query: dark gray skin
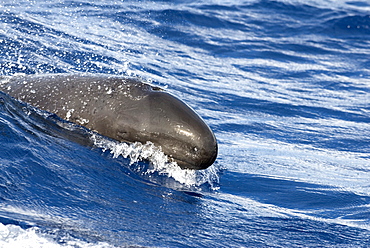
123, 109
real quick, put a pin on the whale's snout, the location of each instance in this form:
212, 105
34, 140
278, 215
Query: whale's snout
209, 154
190, 141
203, 154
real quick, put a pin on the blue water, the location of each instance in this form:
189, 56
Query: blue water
285, 85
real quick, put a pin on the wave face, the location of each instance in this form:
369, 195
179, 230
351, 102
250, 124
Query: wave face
284, 85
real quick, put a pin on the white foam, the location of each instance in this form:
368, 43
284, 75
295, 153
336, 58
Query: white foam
14, 236
159, 162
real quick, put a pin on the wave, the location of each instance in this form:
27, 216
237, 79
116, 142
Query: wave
15, 236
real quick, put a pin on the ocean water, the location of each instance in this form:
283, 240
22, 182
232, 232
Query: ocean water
284, 84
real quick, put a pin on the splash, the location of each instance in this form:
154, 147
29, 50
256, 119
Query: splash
159, 163
15, 236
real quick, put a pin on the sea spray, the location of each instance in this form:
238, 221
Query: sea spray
160, 164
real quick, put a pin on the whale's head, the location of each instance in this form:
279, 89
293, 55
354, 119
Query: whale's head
169, 123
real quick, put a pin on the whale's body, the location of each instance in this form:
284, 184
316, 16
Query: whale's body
123, 109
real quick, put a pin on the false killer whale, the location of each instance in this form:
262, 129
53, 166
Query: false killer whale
124, 109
